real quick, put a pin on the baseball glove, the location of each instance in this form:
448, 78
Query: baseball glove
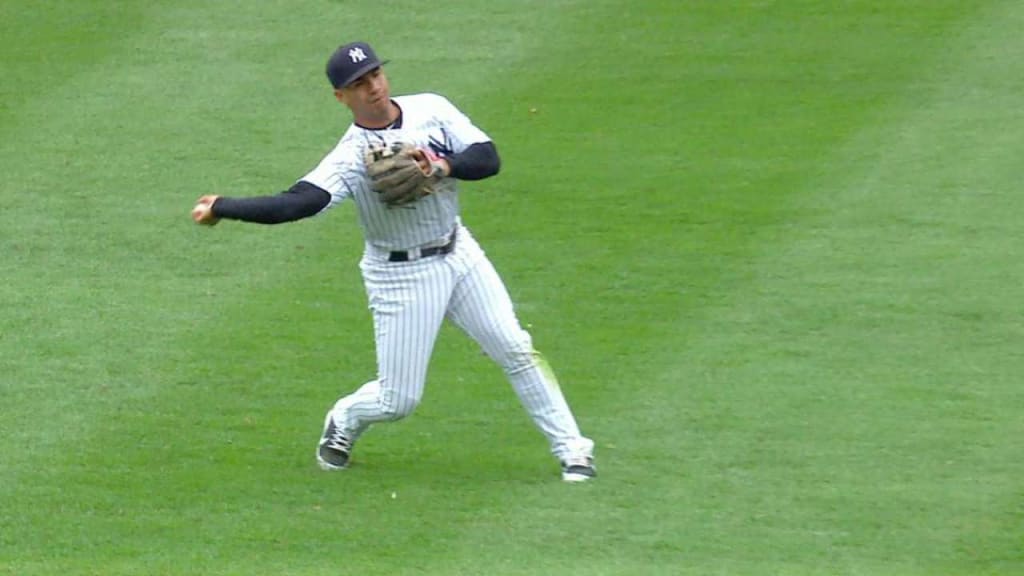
395, 174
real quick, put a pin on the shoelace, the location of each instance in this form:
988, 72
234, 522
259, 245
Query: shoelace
338, 441
578, 461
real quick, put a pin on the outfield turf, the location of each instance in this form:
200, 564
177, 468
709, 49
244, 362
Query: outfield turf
772, 248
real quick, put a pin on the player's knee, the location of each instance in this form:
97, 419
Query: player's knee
396, 405
518, 355
518, 361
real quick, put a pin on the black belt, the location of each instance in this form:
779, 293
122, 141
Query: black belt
403, 256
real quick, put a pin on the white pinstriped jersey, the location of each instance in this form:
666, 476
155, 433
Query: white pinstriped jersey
428, 120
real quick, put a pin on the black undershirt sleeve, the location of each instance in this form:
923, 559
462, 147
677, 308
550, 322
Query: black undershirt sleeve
303, 200
476, 162
300, 201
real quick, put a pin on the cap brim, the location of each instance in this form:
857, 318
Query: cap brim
362, 71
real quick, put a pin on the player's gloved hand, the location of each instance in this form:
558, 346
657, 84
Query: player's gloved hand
202, 213
396, 173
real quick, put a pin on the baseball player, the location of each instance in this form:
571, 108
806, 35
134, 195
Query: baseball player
400, 161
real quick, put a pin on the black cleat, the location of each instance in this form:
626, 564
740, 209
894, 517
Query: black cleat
578, 469
334, 449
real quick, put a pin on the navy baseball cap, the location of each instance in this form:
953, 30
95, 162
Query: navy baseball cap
350, 61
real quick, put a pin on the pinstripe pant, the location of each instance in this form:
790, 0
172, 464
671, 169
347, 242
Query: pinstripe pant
410, 300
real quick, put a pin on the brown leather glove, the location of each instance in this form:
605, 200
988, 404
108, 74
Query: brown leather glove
397, 175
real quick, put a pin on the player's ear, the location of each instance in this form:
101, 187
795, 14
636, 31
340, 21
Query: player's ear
340, 95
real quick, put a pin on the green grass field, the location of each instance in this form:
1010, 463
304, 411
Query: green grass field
772, 248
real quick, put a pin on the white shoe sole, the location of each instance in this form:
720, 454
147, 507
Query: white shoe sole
571, 477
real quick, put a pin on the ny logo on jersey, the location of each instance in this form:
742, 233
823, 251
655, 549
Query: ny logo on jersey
441, 146
357, 54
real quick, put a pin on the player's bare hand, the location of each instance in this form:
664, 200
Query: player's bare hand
202, 213
430, 163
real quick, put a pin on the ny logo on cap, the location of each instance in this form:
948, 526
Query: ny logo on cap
357, 54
